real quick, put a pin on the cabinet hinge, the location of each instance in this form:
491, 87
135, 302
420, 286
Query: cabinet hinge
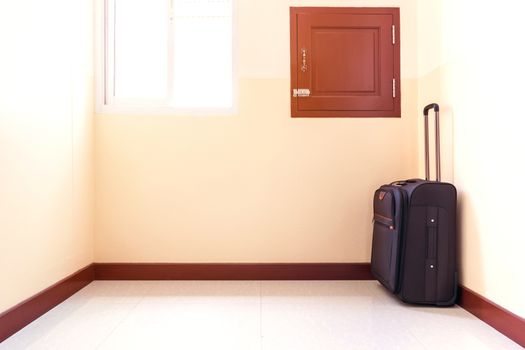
393, 88
393, 34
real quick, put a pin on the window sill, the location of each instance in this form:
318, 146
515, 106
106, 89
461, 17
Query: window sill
165, 111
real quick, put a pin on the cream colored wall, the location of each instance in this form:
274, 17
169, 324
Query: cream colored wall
46, 144
257, 186
475, 70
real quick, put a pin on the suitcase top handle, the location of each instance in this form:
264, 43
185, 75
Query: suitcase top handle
434, 106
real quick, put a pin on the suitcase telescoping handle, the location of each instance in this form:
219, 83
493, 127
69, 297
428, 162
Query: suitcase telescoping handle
434, 106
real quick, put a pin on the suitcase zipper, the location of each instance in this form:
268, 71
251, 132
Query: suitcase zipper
391, 227
404, 222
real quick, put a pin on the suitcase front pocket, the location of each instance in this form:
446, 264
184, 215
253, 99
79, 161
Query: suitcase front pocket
385, 241
384, 255
385, 207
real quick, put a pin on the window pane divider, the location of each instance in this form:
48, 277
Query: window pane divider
171, 52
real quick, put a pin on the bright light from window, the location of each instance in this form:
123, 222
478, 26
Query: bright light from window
169, 53
202, 42
141, 50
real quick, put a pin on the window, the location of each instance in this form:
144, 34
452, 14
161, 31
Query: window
345, 62
167, 56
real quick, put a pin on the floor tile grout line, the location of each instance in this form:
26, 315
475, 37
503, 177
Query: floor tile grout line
126, 316
260, 317
417, 339
393, 306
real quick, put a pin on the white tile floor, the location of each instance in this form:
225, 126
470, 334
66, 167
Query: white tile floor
249, 315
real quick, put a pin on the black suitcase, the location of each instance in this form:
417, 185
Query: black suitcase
414, 237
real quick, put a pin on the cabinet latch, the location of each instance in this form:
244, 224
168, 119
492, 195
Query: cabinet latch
301, 92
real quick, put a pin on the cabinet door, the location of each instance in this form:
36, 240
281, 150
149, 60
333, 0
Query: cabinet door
345, 61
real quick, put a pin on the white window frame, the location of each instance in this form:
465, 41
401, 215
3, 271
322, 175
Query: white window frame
106, 106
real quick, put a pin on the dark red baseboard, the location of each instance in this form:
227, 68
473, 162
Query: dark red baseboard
24, 313
19, 316
284, 271
494, 315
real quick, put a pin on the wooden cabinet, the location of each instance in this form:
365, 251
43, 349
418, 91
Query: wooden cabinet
345, 62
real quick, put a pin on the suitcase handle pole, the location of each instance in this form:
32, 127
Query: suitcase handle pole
434, 106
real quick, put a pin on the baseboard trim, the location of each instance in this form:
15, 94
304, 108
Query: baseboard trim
504, 321
19, 316
22, 314
233, 271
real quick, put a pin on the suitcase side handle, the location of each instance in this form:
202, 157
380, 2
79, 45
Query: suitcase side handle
435, 107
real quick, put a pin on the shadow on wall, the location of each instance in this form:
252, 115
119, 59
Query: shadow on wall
474, 248
447, 147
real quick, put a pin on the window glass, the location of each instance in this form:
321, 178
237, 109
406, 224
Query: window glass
141, 51
169, 53
202, 42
